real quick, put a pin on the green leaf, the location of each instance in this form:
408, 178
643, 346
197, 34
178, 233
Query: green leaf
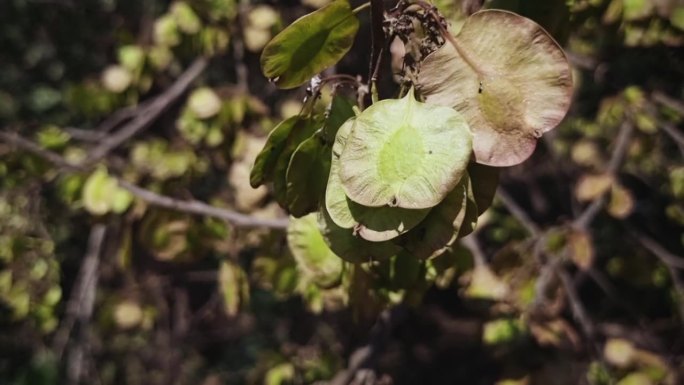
404, 153
677, 17
341, 109
637, 9
314, 258
233, 286
120, 200
350, 247
485, 181
309, 167
372, 223
309, 45
440, 227
204, 103
265, 162
307, 175
508, 77
102, 194
300, 132
131, 57
185, 17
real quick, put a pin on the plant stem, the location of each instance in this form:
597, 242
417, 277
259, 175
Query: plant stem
452, 40
361, 8
377, 40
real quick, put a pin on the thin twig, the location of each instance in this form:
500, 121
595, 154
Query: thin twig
152, 198
377, 37
34, 148
122, 115
471, 243
672, 262
80, 306
201, 208
91, 136
518, 212
669, 102
578, 309
659, 251
674, 133
149, 114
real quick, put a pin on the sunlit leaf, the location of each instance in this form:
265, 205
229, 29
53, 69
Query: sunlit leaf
619, 352
233, 287
404, 153
204, 103
101, 194
309, 45
636, 378
581, 249
677, 17
314, 258
185, 17
372, 223
166, 31
591, 187
621, 202
637, 9
501, 331
128, 314
509, 79
485, 284
116, 78
131, 57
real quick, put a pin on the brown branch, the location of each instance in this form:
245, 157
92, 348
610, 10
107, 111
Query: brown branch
377, 37
152, 198
34, 148
201, 208
672, 262
471, 243
80, 306
674, 133
517, 212
578, 310
145, 116
76, 308
668, 102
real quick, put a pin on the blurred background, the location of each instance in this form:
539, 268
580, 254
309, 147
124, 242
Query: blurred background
114, 114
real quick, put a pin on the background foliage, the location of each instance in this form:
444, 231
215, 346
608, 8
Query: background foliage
572, 277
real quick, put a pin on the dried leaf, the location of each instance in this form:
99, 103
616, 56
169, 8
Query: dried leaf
508, 77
